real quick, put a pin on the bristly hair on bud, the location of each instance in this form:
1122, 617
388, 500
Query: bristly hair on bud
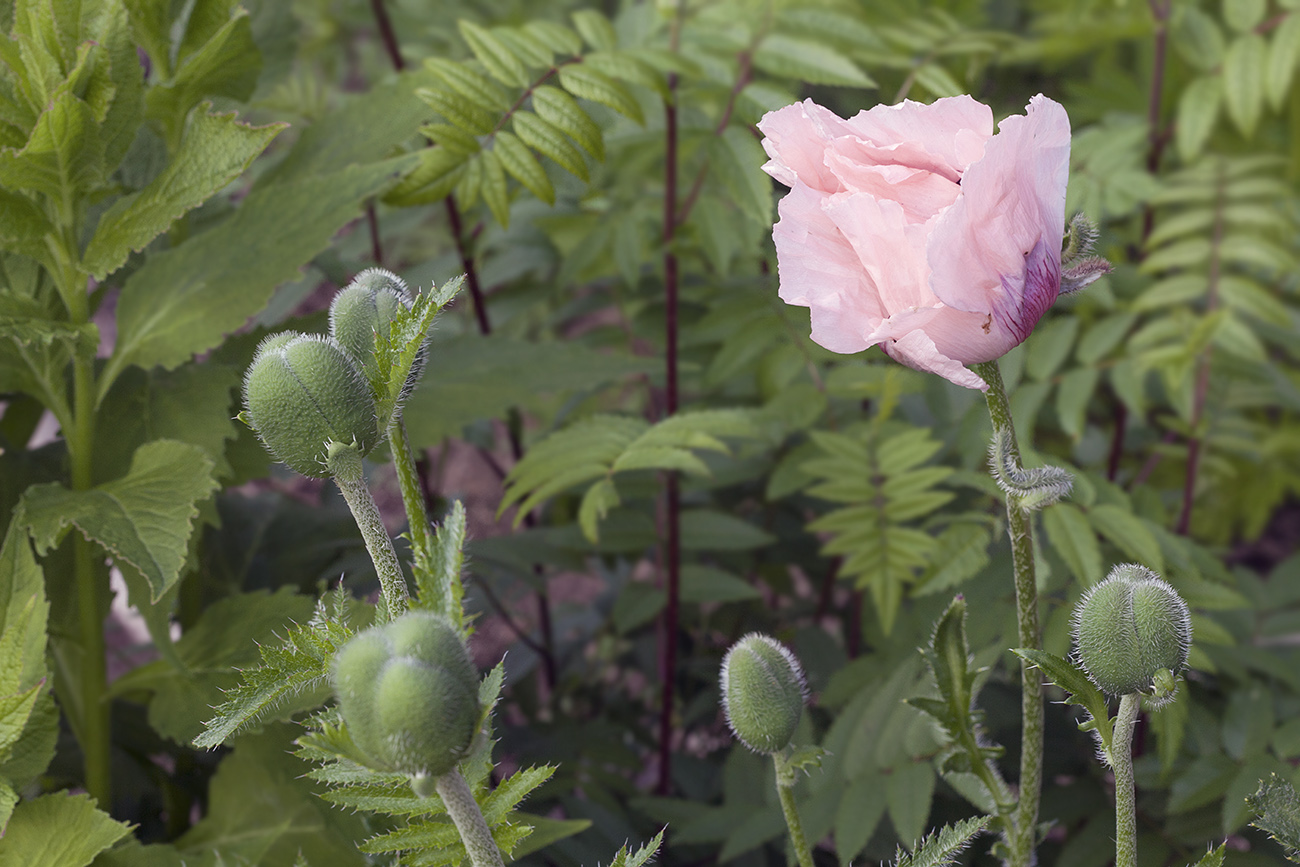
763, 692
1033, 489
1078, 267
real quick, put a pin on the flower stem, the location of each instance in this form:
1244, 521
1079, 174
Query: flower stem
345, 466
469, 821
1121, 760
1020, 837
785, 790
408, 480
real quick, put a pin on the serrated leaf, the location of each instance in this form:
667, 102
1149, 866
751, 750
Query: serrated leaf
1078, 690
435, 176
1277, 809
555, 36
227, 63
627, 858
185, 300
1243, 81
582, 81
63, 155
474, 119
1283, 55
942, 848
59, 830
438, 571
550, 142
214, 150
495, 56
561, 110
808, 61
493, 187
143, 519
522, 166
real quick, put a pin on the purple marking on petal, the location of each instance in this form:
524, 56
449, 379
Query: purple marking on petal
1042, 282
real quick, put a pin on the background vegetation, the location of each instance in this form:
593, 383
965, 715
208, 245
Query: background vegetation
654, 457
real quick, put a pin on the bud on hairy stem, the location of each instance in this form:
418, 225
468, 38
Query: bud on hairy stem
763, 694
1132, 635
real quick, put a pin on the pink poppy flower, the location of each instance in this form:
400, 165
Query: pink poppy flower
917, 228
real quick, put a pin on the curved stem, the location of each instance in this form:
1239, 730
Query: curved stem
345, 464
785, 791
469, 821
1121, 759
1021, 836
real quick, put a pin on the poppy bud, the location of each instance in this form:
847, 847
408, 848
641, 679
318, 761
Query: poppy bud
763, 692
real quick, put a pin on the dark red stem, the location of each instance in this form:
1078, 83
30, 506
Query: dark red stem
387, 34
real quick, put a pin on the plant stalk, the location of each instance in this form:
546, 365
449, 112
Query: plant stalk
469, 821
1020, 837
345, 465
785, 791
1121, 760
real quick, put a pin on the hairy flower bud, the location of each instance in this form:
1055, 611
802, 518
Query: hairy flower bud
303, 392
366, 306
1132, 633
408, 692
763, 692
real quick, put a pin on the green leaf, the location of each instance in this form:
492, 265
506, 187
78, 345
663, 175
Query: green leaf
493, 187
550, 142
185, 300
962, 553
262, 808
709, 530
22, 223
1243, 81
561, 110
808, 61
595, 29
438, 573
1078, 690
1072, 397
1129, 534
1244, 15
1283, 54
59, 830
1072, 537
211, 654
143, 519
227, 64
214, 150
1198, 109
1214, 857
908, 793
704, 584
469, 83
436, 174
522, 166
625, 857
472, 378
499, 61
587, 83
737, 160
1277, 809
63, 156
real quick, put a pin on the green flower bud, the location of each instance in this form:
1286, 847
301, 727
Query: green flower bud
763, 692
303, 392
367, 305
1132, 633
408, 692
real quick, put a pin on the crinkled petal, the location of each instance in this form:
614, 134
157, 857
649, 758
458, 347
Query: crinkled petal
917, 351
945, 137
922, 193
820, 270
890, 249
796, 138
997, 250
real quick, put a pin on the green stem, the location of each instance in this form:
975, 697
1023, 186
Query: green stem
1021, 836
408, 479
1121, 760
469, 821
345, 465
785, 790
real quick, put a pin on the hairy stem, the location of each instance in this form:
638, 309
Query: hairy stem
1121, 760
1020, 837
785, 791
345, 466
469, 821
